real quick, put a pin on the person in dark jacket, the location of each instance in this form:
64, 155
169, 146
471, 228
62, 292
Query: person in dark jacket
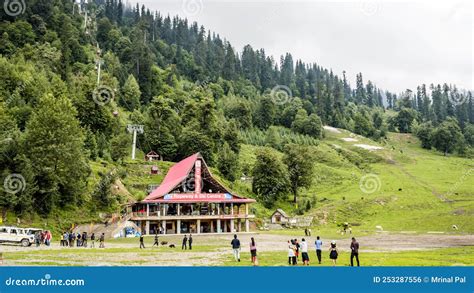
93, 240
156, 241
190, 241
142, 244
354, 252
84, 239
236, 247
185, 242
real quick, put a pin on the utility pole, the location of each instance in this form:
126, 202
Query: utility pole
99, 63
85, 22
134, 128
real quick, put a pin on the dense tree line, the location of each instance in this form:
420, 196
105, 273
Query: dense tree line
192, 91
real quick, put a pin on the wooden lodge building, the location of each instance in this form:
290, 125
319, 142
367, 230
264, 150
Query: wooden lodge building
191, 200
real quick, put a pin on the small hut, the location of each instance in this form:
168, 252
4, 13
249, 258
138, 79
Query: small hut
152, 156
279, 217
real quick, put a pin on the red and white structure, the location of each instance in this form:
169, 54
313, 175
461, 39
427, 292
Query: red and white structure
191, 200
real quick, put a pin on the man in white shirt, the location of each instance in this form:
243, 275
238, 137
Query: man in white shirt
304, 252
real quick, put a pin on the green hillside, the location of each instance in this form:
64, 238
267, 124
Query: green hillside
418, 190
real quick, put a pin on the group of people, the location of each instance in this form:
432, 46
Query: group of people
142, 241
71, 239
186, 243
187, 240
43, 237
295, 248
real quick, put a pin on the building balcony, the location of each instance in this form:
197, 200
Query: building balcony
138, 216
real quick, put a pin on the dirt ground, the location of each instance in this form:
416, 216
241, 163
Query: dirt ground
212, 249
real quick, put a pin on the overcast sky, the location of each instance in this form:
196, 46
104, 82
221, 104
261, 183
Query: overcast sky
396, 44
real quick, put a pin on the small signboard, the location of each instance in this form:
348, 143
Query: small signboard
198, 196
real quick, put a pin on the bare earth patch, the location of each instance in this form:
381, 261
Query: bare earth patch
369, 147
331, 129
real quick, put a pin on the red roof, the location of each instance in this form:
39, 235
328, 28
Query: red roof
175, 176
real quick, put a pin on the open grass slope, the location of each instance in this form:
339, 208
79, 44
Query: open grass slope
401, 187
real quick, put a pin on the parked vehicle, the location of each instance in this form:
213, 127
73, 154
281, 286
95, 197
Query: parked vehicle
32, 231
16, 235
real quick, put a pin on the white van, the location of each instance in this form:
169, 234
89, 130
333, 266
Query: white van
16, 235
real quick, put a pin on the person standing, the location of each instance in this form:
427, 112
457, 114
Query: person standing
84, 239
185, 243
319, 245
47, 238
190, 241
93, 240
72, 237
297, 249
236, 247
37, 239
142, 244
66, 239
156, 240
291, 253
253, 251
102, 240
354, 252
304, 252
78, 240
333, 253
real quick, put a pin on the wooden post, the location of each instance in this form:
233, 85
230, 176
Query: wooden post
232, 225
247, 225
198, 226
178, 226
179, 209
231, 208
246, 209
218, 226
147, 209
163, 224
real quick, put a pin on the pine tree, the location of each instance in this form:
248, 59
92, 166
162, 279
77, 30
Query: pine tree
130, 94
54, 140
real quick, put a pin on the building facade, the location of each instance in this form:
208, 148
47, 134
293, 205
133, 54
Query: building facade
191, 200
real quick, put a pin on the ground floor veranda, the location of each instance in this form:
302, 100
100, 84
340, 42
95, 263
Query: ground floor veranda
193, 226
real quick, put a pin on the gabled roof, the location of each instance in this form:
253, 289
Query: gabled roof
282, 212
179, 173
175, 176
152, 153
